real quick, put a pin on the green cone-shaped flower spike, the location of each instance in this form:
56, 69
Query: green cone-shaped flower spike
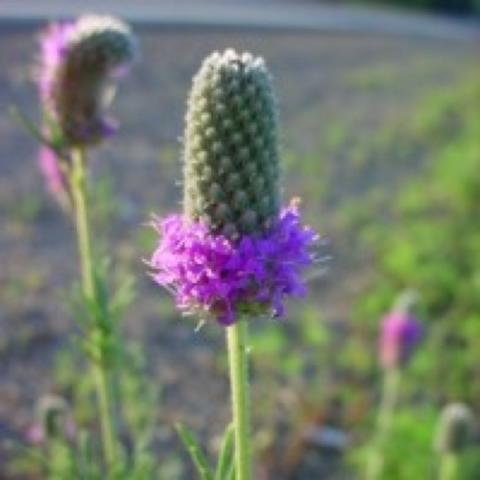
231, 169
98, 46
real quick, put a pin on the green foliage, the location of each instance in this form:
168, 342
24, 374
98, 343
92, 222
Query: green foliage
224, 469
195, 452
100, 318
107, 207
431, 243
421, 233
408, 450
427, 242
140, 399
225, 464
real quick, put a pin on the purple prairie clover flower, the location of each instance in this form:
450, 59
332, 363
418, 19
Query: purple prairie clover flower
400, 335
79, 60
233, 252
212, 275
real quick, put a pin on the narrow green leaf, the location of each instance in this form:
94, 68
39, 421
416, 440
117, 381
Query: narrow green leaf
196, 454
225, 459
17, 115
85, 468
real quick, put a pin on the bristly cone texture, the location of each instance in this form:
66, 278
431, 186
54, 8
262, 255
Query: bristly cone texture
231, 167
78, 62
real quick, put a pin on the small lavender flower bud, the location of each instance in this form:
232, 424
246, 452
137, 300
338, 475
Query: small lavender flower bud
232, 93
400, 333
76, 91
455, 428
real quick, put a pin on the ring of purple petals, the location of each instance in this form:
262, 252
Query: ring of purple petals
214, 277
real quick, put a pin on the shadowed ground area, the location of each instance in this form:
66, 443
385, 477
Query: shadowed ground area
339, 95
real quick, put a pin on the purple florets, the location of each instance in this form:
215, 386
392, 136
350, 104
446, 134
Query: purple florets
54, 47
400, 335
213, 276
53, 50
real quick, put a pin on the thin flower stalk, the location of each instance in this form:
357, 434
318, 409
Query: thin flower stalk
237, 344
386, 412
449, 467
99, 366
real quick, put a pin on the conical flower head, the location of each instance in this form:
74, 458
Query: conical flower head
455, 428
233, 253
79, 61
231, 167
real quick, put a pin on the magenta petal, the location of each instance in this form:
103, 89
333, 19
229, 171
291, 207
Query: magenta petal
53, 43
214, 276
400, 335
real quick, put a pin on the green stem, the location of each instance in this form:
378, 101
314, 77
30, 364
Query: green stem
81, 223
78, 186
448, 469
237, 356
103, 394
391, 381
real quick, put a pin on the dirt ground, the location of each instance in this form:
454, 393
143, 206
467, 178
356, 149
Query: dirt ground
319, 81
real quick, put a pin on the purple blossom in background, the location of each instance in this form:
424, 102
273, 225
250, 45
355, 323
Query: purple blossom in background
78, 62
53, 49
400, 335
214, 276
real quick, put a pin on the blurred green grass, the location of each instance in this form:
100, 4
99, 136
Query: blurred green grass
418, 231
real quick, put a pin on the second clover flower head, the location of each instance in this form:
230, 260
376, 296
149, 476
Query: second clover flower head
78, 61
